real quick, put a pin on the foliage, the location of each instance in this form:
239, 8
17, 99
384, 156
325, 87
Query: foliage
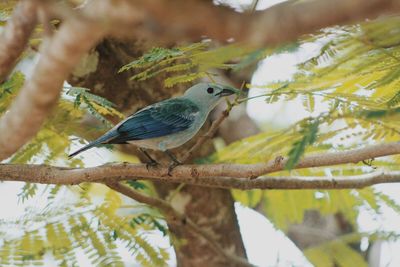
337, 252
9, 89
67, 230
96, 105
6, 8
100, 243
186, 63
354, 78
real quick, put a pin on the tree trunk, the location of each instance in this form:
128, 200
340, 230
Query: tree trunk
212, 209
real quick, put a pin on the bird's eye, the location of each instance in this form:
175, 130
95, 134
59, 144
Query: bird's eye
210, 90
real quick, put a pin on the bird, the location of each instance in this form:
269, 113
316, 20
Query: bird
166, 124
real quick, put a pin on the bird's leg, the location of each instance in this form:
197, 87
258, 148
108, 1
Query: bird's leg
175, 162
172, 157
152, 162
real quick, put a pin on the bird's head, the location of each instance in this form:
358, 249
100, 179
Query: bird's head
209, 94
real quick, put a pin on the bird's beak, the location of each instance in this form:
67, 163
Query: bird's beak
226, 92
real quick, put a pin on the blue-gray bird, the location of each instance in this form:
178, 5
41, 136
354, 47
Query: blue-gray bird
166, 124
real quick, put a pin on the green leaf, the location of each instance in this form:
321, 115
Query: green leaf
94, 104
335, 253
147, 219
319, 257
309, 135
136, 184
155, 55
28, 191
187, 63
9, 89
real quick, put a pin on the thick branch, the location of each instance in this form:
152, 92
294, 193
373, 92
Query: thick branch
15, 36
58, 57
217, 175
280, 23
37, 97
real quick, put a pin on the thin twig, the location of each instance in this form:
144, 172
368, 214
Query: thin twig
202, 139
211, 132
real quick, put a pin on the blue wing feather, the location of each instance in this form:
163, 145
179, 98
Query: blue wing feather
161, 119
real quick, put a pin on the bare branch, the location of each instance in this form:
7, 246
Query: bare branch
336, 158
15, 36
303, 182
178, 217
120, 172
240, 176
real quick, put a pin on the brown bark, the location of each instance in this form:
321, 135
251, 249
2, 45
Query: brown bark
201, 175
15, 36
211, 209
169, 21
39, 95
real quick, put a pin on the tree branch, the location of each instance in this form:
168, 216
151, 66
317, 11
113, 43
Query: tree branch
38, 95
302, 182
58, 57
240, 176
15, 36
178, 217
278, 24
121, 172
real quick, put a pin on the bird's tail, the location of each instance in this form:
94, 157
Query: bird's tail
101, 140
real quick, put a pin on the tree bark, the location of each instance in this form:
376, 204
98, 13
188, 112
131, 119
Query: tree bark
211, 209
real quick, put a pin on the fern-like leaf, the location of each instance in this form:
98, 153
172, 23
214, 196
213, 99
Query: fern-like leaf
309, 135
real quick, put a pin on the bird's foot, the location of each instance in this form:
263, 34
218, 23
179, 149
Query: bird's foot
172, 166
152, 164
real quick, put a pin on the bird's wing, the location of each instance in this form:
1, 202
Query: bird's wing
161, 119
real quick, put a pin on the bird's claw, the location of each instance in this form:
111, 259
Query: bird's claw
172, 166
152, 164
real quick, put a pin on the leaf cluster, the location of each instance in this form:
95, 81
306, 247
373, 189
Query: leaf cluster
186, 63
78, 228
